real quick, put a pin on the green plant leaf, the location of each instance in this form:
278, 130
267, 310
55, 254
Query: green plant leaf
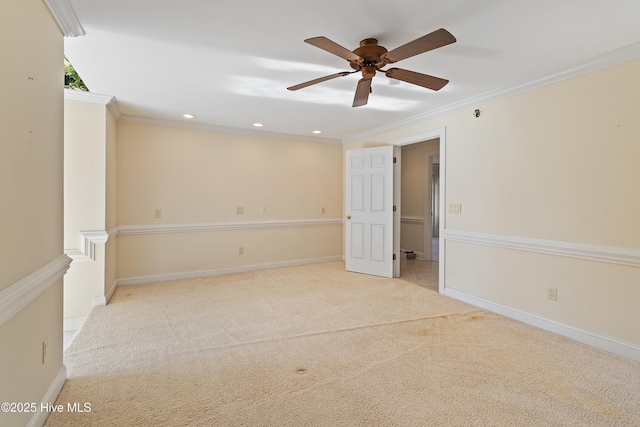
72, 77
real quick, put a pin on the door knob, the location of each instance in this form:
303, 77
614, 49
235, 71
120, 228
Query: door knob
348, 216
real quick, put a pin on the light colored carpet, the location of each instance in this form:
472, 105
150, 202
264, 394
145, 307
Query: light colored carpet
318, 346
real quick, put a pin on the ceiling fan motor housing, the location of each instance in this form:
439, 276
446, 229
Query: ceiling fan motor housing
370, 51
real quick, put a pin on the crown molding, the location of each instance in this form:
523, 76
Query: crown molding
608, 59
81, 95
65, 17
125, 118
96, 98
112, 104
114, 108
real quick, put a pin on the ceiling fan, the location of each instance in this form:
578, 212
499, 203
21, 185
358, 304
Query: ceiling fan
370, 57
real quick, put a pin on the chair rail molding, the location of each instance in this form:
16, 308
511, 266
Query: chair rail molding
127, 230
17, 296
412, 220
610, 254
87, 241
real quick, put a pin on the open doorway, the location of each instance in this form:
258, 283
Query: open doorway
420, 185
420, 199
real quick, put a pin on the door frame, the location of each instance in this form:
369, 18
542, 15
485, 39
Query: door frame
427, 226
441, 134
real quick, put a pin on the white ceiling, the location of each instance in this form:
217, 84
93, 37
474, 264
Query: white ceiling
230, 62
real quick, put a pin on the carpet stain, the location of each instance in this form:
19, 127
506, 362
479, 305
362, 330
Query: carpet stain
301, 371
426, 333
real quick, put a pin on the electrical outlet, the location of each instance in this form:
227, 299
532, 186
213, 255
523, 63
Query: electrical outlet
239, 210
241, 250
455, 208
261, 209
552, 294
322, 211
157, 213
45, 349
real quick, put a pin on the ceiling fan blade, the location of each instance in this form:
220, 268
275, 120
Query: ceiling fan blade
320, 80
333, 47
423, 44
424, 80
362, 93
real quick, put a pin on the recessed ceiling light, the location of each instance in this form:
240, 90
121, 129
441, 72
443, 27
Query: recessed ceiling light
188, 116
258, 125
317, 131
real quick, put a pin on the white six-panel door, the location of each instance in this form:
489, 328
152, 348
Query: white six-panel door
369, 210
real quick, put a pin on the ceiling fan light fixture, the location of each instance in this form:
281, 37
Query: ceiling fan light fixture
188, 116
258, 125
317, 132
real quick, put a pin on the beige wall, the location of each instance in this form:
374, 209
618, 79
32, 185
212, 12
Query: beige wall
202, 177
31, 135
557, 163
564, 155
31, 161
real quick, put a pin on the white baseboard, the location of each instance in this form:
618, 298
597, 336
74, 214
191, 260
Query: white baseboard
110, 292
612, 345
73, 323
104, 300
39, 417
221, 271
419, 255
